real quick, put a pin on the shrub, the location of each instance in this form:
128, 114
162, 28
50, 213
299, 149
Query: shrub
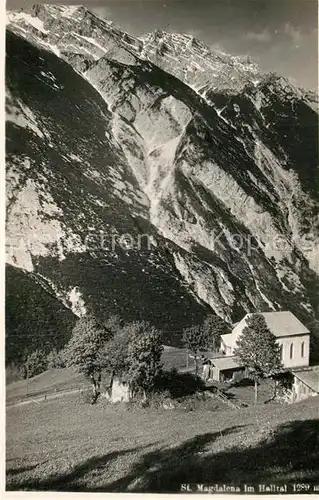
178, 385
55, 359
34, 363
154, 401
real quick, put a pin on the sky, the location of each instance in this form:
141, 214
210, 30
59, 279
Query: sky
280, 35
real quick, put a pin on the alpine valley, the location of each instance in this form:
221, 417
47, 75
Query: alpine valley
197, 171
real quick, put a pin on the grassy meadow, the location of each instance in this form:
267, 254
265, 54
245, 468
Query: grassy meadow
49, 382
67, 444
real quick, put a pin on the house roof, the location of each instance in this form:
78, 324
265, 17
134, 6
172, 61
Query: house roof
227, 363
226, 336
309, 377
170, 348
280, 323
204, 355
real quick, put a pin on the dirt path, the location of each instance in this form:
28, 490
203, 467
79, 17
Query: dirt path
43, 399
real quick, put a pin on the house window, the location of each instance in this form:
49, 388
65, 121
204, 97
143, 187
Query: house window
291, 351
302, 349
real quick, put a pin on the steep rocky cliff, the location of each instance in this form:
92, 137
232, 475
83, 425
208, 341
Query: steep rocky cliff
154, 178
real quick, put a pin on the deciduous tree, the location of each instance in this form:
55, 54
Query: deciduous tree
213, 328
114, 355
200, 338
195, 339
144, 356
83, 349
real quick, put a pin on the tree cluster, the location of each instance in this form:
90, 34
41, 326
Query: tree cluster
131, 351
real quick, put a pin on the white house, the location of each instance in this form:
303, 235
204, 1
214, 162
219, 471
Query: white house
291, 334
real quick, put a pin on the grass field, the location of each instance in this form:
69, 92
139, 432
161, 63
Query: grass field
48, 382
60, 380
67, 444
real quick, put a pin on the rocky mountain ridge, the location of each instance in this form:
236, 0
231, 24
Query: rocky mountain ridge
219, 178
76, 31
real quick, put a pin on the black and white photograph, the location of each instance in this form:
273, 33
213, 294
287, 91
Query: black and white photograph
161, 299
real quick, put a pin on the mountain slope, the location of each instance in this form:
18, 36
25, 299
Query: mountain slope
71, 195
35, 319
219, 186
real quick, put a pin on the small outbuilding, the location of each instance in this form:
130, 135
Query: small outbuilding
305, 383
222, 369
119, 392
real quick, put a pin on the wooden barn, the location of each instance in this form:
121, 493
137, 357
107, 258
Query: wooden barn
222, 369
305, 383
